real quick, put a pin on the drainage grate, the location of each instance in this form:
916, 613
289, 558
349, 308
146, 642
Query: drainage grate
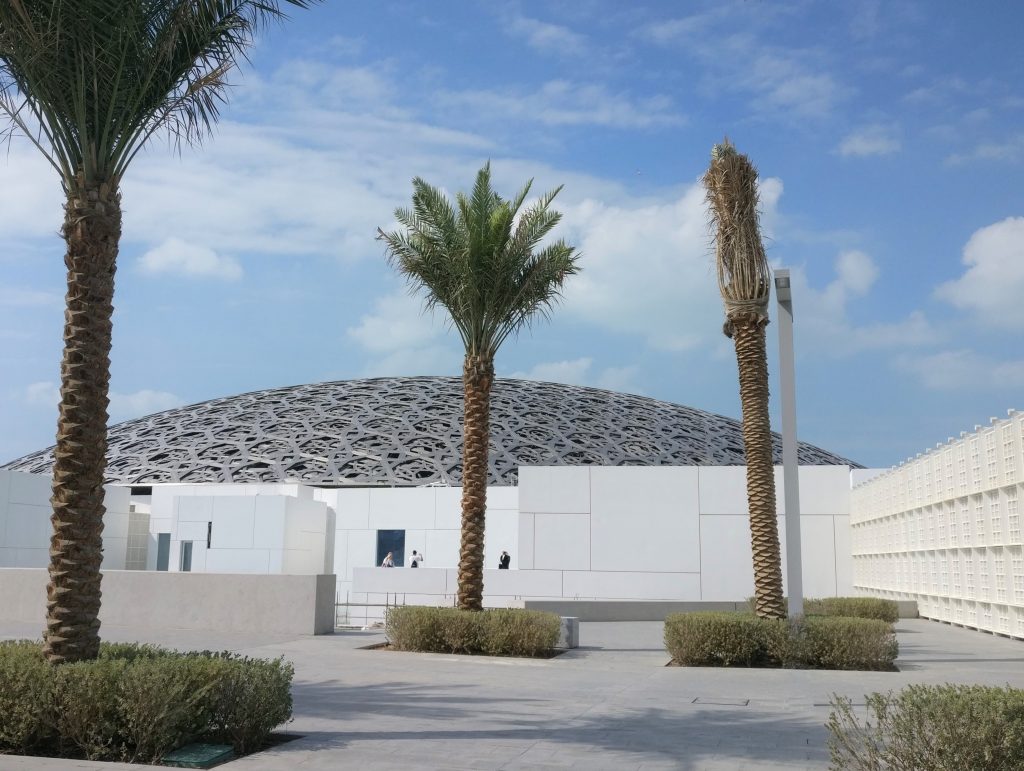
721, 702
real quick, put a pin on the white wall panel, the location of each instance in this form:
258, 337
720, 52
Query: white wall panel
523, 583
234, 521
727, 572
32, 489
362, 550
352, 508
268, 522
561, 542
237, 561
448, 506
844, 561
554, 489
524, 559
28, 526
631, 585
441, 548
645, 519
193, 508
501, 532
824, 490
396, 508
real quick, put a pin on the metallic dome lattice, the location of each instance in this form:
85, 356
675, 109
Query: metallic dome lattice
407, 431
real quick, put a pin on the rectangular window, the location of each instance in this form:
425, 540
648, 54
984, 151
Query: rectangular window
163, 551
391, 542
186, 557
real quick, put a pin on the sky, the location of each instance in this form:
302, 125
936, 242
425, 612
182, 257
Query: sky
889, 137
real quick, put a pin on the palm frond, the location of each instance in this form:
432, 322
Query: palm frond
89, 82
478, 259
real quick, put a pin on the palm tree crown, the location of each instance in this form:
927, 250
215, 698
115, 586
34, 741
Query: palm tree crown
478, 259
90, 81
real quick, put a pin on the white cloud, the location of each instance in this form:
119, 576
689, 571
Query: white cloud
122, 406
564, 103
139, 403
42, 394
572, 371
875, 139
963, 370
177, 257
822, 316
546, 37
992, 286
404, 340
580, 372
398, 322
1009, 151
12, 297
648, 268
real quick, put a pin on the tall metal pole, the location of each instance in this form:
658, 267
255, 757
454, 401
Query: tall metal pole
790, 467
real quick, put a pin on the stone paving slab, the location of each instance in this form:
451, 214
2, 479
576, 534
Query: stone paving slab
611, 704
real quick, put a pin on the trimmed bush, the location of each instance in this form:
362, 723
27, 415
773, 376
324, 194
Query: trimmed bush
505, 632
135, 703
848, 607
854, 607
742, 639
935, 727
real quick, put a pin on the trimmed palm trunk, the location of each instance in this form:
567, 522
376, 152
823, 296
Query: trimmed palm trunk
477, 379
92, 229
744, 280
748, 335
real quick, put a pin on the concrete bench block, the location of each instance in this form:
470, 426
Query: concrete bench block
569, 634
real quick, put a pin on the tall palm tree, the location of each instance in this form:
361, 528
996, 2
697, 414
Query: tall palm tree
480, 262
89, 82
744, 280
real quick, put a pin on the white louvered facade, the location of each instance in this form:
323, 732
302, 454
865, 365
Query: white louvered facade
945, 529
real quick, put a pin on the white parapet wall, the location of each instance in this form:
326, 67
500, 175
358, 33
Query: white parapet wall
25, 527
944, 529
153, 601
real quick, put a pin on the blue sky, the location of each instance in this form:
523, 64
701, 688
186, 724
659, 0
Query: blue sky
888, 135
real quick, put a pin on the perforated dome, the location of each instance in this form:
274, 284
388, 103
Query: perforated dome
407, 431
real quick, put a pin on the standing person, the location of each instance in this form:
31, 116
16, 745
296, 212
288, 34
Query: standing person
389, 561
415, 559
504, 560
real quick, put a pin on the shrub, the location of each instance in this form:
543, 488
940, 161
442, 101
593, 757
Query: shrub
742, 639
709, 639
937, 727
846, 643
849, 607
854, 607
138, 702
506, 632
26, 693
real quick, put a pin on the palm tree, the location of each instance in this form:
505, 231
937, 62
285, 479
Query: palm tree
744, 279
89, 82
480, 262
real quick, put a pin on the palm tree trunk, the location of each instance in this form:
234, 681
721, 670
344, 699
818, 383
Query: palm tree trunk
477, 378
92, 229
748, 333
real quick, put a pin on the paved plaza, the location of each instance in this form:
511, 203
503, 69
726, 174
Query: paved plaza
611, 704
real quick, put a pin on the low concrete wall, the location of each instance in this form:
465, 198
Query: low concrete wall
150, 600
591, 610
609, 610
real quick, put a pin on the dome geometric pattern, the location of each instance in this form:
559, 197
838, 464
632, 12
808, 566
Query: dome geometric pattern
407, 431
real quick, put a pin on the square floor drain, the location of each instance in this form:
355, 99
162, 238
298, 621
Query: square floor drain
199, 756
721, 702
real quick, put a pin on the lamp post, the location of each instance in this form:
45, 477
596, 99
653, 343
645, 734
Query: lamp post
790, 467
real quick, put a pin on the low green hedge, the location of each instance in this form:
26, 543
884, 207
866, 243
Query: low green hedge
709, 639
500, 632
935, 727
847, 607
135, 703
854, 607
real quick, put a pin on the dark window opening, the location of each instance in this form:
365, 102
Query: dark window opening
391, 541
